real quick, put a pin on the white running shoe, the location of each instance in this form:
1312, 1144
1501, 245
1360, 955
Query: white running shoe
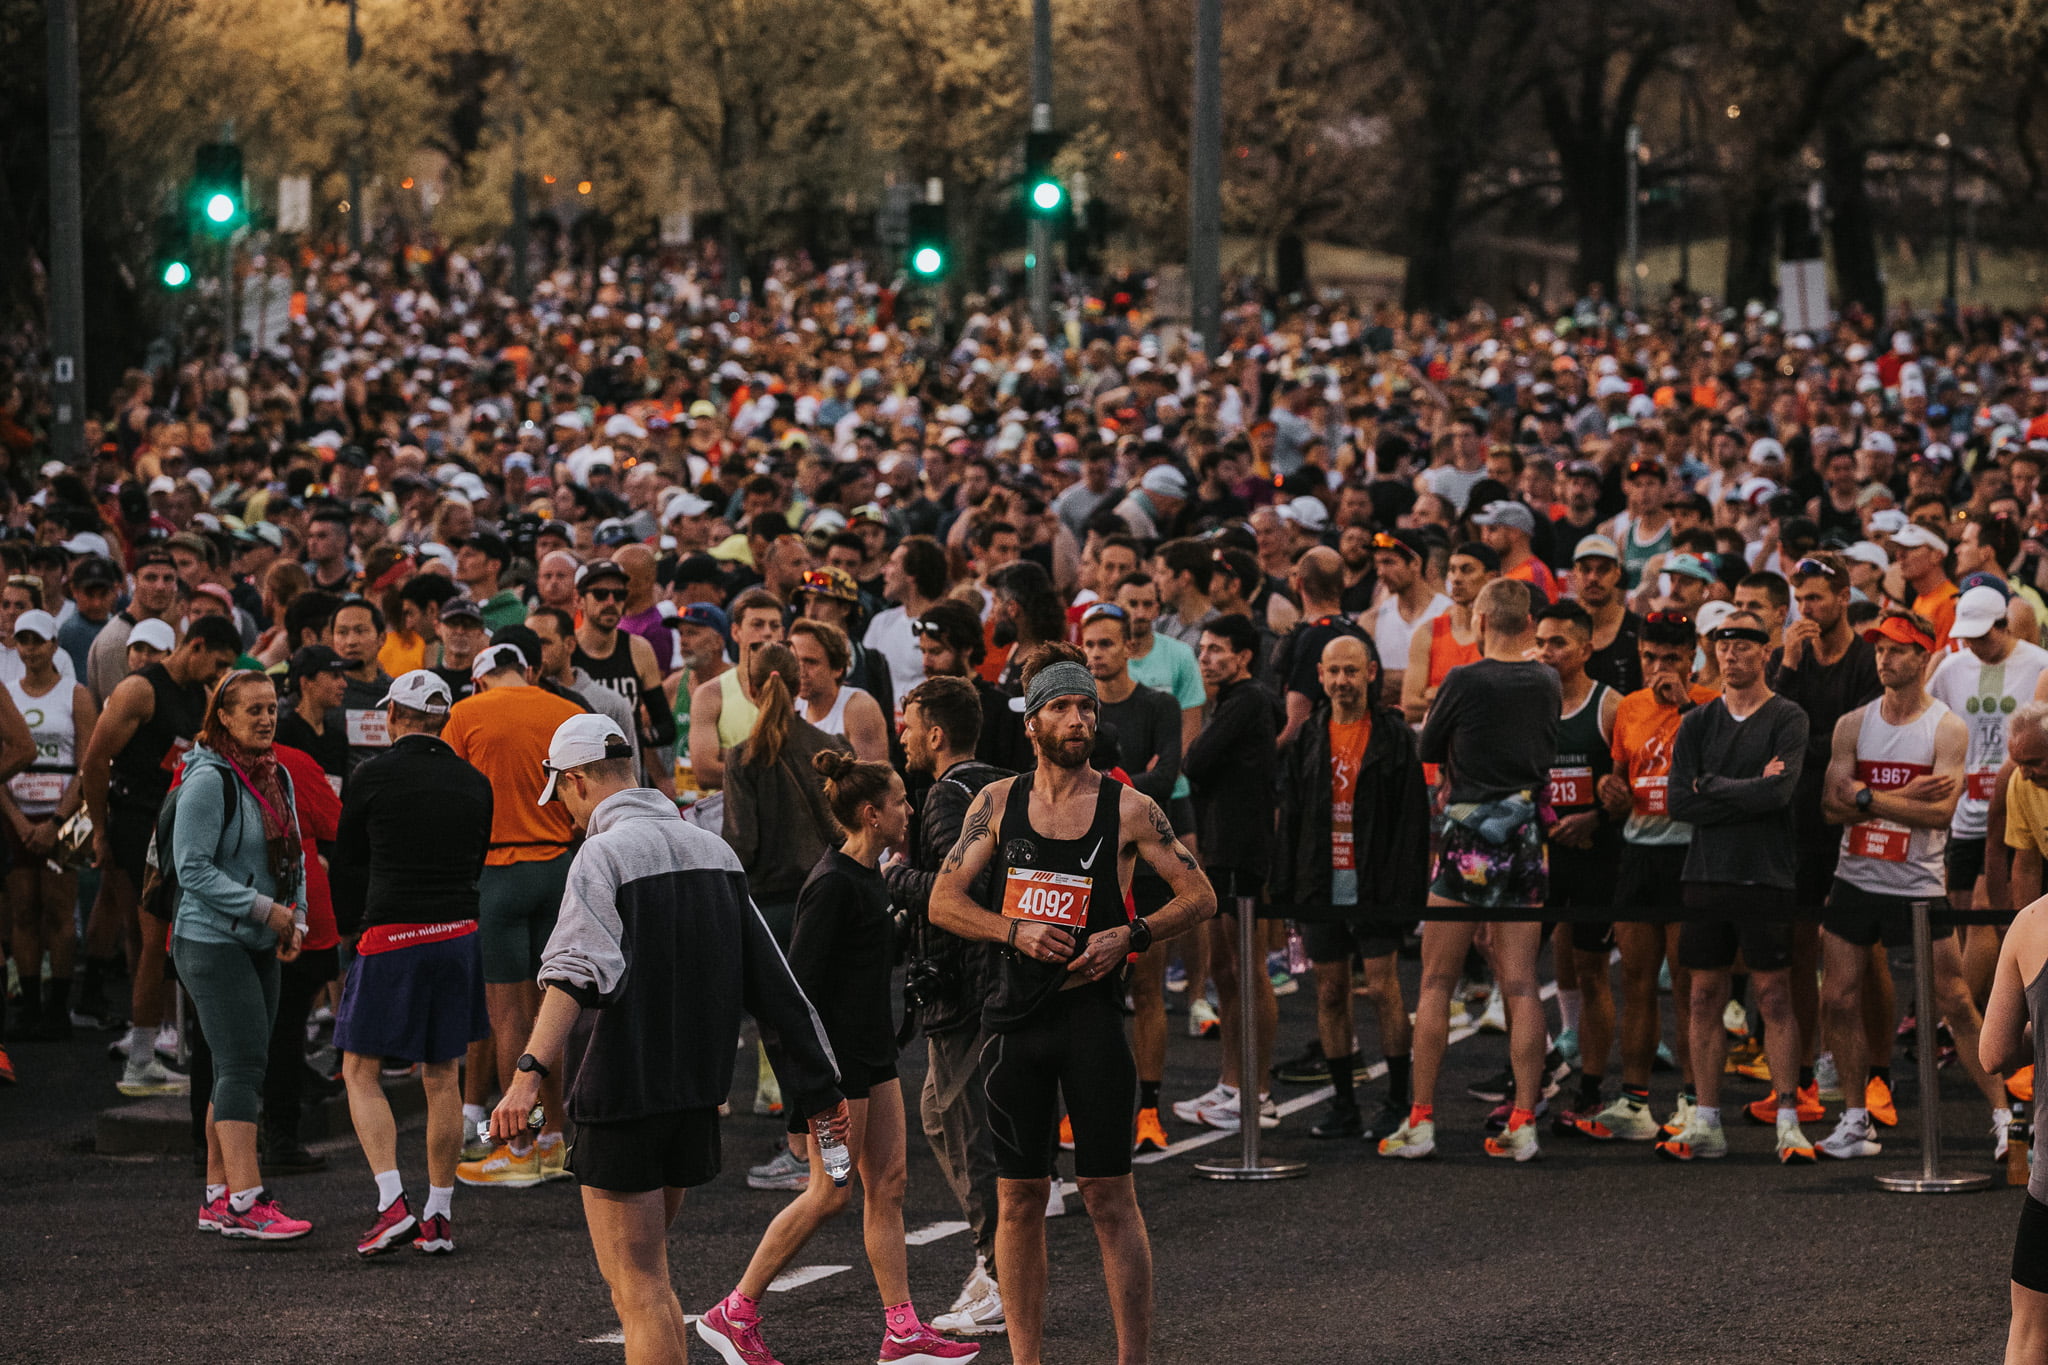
1851, 1139
1202, 1019
1681, 1116
983, 1317
977, 1286
1190, 1111
2001, 1133
1827, 1078
1224, 1114
1411, 1141
1056, 1199
152, 1077
1517, 1143
1735, 1019
1495, 1017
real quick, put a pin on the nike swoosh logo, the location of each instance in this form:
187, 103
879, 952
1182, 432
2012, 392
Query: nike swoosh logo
1089, 861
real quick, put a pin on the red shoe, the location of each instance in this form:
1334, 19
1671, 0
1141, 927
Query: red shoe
264, 1222
391, 1225
210, 1214
925, 1347
737, 1343
6, 1067
436, 1237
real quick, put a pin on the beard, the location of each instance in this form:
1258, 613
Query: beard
1064, 753
1004, 633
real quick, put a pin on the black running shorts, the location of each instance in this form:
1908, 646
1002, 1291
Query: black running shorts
1072, 1048
2030, 1248
673, 1151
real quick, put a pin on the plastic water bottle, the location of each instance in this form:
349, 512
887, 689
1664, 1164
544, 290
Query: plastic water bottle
1298, 963
838, 1161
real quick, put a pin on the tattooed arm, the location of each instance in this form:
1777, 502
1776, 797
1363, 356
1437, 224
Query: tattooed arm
1146, 833
953, 907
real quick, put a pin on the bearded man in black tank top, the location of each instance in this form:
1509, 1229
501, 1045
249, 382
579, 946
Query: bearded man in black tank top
1063, 842
625, 663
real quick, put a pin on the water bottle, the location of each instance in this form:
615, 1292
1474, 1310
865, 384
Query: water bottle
838, 1161
1297, 952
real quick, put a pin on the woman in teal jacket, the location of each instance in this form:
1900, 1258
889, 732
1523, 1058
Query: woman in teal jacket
234, 846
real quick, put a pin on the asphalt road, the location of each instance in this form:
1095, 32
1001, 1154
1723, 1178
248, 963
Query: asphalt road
1592, 1253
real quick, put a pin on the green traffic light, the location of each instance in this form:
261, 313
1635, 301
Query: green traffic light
927, 260
1046, 195
177, 275
220, 207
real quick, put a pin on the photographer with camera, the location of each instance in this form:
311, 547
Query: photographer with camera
947, 980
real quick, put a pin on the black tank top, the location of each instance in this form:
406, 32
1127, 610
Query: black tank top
616, 670
1039, 878
141, 771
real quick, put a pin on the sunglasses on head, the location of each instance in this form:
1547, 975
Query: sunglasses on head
930, 630
1102, 609
1382, 541
1669, 618
1818, 568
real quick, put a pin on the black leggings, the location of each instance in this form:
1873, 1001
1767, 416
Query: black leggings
1073, 1047
284, 1078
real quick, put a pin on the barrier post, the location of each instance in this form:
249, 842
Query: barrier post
1928, 1179
1251, 965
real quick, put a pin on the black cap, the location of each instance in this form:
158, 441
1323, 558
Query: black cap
95, 571
596, 569
697, 568
490, 545
523, 638
456, 608
317, 659
355, 457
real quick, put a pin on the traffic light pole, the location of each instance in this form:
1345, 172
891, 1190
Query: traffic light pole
67, 240
1038, 241
1205, 179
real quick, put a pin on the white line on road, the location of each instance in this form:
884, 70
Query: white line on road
933, 1233
803, 1275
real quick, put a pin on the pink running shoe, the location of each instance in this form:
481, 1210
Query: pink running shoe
924, 1347
392, 1224
211, 1214
436, 1237
737, 1343
264, 1222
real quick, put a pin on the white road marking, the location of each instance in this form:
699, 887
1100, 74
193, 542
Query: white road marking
803, 1275
933, 1233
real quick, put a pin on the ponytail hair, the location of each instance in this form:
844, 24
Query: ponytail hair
772, 671
851, 784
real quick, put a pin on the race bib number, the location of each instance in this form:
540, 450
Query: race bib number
1047, 897
1652, 795
368, 729
37, 788
1981, 786
174, 757
1570, 787
1343, 852
1880, 839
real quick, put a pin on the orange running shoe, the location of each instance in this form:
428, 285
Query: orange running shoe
2020, 1085
1765, 1110
1066, 1133
1151, 1133
1877, 1098
1755, 1066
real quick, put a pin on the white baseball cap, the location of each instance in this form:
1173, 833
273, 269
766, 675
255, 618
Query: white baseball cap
419, 690
578, 740
1914, 534
1977, 611
154, 633
1712, 616
495, 658
43, 626
1865, 552
87, 543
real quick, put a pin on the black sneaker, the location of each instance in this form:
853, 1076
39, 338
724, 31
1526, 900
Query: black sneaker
1338, 1120
1494, 1088
1310, 1068
1388, 1117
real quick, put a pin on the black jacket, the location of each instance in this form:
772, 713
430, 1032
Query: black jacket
966, 967
1233, 767
1389, 823
415, 826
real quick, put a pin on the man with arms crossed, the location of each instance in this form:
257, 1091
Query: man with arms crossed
1062, 841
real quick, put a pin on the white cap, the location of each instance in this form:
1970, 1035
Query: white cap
1610, 386
154, 633
1307, 512
579, 740
1764, 448
619, 424
1977, 611
1887, 521
87, 543
43, 626
683, 504
497, 657
1914, 534
1880, 442
1865, 552
1166, 481
1712, 616
419, 690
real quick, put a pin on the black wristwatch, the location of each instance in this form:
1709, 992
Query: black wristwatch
1864, 798
1141, 935
528, 1062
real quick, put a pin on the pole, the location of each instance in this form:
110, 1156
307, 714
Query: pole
67, 240
1633, 145
1929, 1179
1039, 240
355, 135
1948, 204
1685, 167
1251, 965
1205, 180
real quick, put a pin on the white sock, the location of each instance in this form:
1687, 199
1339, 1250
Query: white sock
1858, 1117
241, 1201
1568, 1003
390, 1189
472, 1115
1786, 1115
550, 1139
1710, 1118
214, 1192
440, 1201
141, 1045
2002, 1119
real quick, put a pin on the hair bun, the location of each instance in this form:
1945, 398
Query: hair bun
832, 764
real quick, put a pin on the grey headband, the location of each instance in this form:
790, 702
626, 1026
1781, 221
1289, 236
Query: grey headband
1062, 679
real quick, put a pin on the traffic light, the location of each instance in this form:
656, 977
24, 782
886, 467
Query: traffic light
173, 256
216, 202
929, 251
1044, 195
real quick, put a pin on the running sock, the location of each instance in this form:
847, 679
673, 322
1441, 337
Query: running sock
901, 1319
1788, 1113
1518, 1117
472, 1115
551, 1139
1420, 1113
390, 1189
1344, 1078
740, 1308
1636, 1094
1148, 1094
1399, 1069
1688, 1092
214, 1192
1859, 1117
1589, 1093
241, 1201
141, 1045
1711, 1117
1568, 1006
1805, 1077
440, 1201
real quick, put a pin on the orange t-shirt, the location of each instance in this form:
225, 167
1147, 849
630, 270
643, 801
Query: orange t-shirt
1347, 756
1536, 574
1644, 729
1939, 607
504, 734
1445, 653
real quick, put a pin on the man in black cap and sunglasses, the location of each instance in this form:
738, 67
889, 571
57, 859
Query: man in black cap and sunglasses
622, 661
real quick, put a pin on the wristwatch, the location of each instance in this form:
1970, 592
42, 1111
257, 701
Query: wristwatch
1141, 935
528, 1062
1864, 798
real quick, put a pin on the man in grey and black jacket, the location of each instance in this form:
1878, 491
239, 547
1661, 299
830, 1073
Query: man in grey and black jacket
657, 951
941, 725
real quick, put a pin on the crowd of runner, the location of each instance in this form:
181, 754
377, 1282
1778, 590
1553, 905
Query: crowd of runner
342, 683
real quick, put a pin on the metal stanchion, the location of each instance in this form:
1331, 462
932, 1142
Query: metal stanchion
1251, 965
1928, 1179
